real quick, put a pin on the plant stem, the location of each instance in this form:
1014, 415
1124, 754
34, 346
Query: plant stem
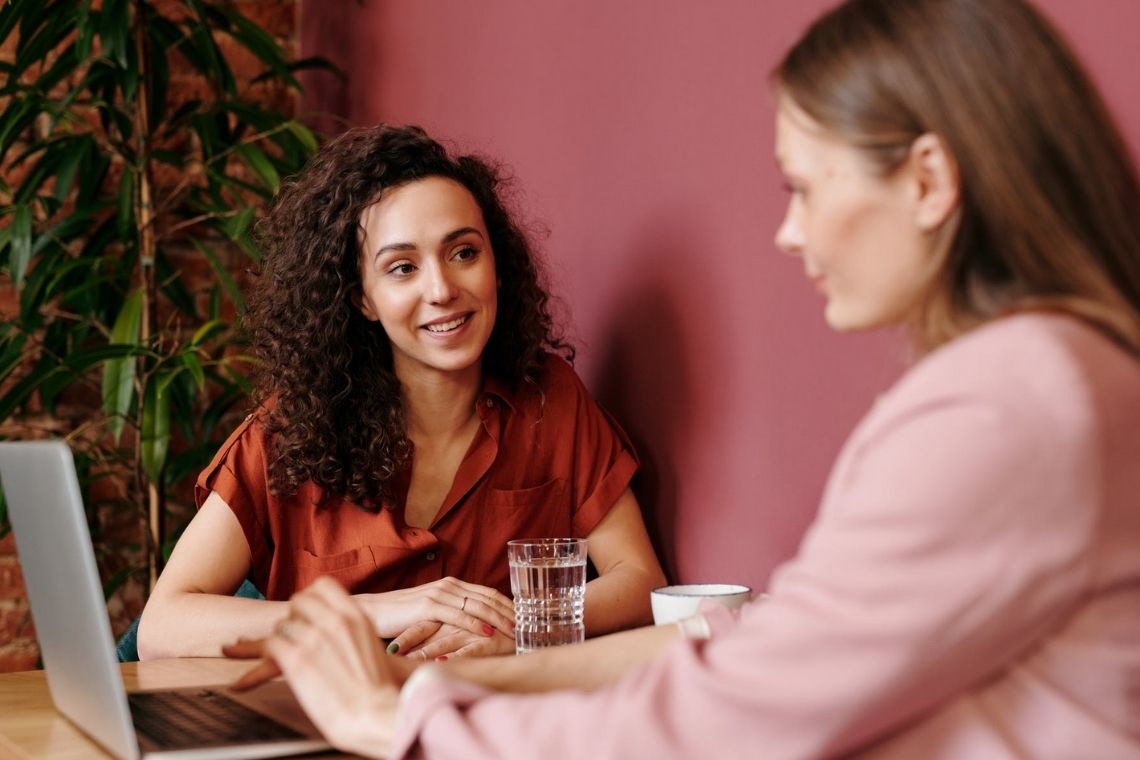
144, 211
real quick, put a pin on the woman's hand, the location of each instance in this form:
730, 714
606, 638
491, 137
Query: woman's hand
430, 640
477, 609
328, 651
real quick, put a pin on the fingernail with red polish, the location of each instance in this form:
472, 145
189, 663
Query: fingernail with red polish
441, 658
488, 630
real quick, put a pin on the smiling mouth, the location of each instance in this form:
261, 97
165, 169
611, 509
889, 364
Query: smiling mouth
448, 326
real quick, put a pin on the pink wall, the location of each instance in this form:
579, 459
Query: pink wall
640, 133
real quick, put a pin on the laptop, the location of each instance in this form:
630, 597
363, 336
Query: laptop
78, 649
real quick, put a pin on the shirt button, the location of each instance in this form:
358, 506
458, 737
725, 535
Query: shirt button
430, 556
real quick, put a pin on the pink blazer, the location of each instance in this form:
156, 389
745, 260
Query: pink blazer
969, 589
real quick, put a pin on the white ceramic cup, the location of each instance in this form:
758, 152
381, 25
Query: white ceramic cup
673, 603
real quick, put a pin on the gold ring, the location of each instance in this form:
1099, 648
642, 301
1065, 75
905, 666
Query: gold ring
464, 605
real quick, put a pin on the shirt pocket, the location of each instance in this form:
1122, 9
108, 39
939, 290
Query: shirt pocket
350, 567
549, 495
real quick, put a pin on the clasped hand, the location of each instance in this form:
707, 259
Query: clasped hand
444, 617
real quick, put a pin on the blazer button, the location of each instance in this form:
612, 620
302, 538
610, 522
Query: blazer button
430, 556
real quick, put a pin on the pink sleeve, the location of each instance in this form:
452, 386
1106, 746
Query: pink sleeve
915, 583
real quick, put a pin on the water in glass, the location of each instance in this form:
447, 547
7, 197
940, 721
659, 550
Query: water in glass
549, 585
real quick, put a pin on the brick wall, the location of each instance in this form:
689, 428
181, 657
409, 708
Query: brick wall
18, 650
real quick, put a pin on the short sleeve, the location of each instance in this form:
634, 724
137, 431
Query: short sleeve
603, 459
238, 473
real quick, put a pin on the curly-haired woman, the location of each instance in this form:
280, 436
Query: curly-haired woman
414, 410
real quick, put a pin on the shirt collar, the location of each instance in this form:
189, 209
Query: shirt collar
493, 386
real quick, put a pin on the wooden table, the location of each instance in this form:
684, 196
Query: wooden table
31, 729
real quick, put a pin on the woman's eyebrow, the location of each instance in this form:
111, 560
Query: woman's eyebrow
449, 237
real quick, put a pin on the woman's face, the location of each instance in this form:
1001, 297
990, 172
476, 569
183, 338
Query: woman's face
859, 234
428, 276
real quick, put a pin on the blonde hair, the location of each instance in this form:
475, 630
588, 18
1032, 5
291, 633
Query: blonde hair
1050, 198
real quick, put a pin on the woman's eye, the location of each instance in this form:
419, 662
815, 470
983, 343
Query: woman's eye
402, 269
466, 253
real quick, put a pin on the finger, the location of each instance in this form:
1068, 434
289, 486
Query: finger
474, 649
266, 670
414, 636
477, 608
489, 596
447, 645
497, 644
244, 649
464, 619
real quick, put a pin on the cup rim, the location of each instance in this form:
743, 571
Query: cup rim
543, 541
702, 589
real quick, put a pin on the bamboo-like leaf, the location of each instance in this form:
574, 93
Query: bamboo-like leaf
6, 240
304, 135
257, 41
21, 243
74, 153
16, 395
83, 360
173, 287
116, 581
194, 367
125, 215
92, 176
63, 66
156, 426
114, 30
17, 117
32, 295
9, 17
31, 17
33, 181
257, 160
158, 79
86, 30
207, 331
214, 64
223, 275
37, 41
214, 304
119, 374
237, 225
11, 352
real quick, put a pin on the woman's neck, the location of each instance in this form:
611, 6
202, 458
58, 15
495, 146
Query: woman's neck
439, 406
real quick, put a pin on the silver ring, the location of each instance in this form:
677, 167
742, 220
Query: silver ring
284, 627
464, 605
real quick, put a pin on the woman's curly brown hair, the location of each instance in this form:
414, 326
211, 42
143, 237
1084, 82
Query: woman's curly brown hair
329, 398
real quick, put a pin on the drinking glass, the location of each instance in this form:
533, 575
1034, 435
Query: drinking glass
548, 581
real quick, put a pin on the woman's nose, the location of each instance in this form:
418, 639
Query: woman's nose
440, 287
789, 235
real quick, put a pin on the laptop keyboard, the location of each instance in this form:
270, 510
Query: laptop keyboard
204, 718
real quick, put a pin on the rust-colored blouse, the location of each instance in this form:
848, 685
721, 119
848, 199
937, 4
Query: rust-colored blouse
546, 461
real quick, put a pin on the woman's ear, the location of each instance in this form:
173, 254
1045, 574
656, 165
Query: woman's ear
937, 186
363, 306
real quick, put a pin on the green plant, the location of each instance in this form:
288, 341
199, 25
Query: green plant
114, 185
